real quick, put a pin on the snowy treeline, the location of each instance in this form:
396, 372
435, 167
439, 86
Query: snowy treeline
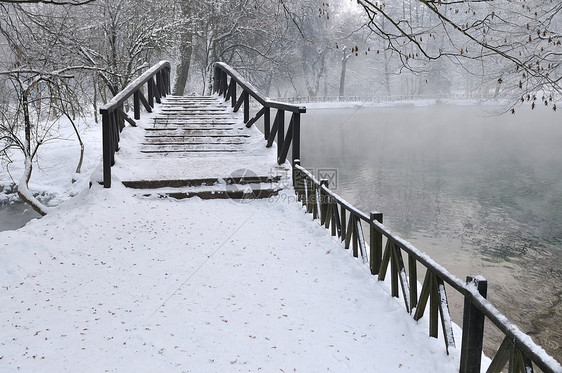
64, 58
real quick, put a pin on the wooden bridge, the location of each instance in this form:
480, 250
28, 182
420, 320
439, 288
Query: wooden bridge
204, 146
199, 145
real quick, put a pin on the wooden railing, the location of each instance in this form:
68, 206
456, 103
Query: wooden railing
227, 80
346, 222
157, 80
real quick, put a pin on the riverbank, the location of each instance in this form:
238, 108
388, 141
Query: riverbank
54, 179
480, 193
113, 282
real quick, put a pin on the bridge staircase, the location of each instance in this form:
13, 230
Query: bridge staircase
197, 146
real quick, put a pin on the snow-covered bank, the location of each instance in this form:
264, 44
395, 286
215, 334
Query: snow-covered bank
55, 169
112, 282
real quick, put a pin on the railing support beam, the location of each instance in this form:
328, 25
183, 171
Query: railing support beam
225, 82
375, 244
473, 329
157, 78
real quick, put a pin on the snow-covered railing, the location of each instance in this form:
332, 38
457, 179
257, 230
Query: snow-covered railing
226, 81
346, 222
157, 79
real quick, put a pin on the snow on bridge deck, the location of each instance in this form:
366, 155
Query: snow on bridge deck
194, 141
112, 281
118, 283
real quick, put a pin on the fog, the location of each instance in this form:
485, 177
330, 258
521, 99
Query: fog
479, 192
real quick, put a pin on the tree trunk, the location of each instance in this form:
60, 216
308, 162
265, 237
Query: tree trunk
343, 70
79, 167
25, 194
182, 71
23, 190
387, 73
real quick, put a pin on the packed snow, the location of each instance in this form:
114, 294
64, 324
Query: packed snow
113, 282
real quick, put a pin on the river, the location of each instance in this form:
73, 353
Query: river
481, 193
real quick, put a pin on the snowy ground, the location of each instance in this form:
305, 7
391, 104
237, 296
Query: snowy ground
112, 282
57, 160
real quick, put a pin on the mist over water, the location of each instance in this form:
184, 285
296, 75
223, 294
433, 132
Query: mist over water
479, 192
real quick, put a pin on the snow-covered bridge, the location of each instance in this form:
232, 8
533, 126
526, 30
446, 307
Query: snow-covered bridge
199, 146
124, 280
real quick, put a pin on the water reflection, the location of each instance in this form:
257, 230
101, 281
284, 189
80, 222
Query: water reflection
481, 194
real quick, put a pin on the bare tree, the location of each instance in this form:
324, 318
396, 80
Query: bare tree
30, 118
518, 42
39, 88
120, 38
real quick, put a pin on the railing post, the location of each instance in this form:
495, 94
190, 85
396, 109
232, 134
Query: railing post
296, 144
136, 103
246, 106
119, 120
215, 79
267, 122
165, 81
107, 149
219, 82
308, 194
313, 199
433, 306
223, 84
472, 329
168, 81
159, 83
280, 133
375, 244
150, 93
233, 93
413, 276
323, 204
157, 92
296, 184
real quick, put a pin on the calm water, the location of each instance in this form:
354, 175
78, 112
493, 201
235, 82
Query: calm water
15, 215
480, 193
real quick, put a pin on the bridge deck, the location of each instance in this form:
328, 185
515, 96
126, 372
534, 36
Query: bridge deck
197, 146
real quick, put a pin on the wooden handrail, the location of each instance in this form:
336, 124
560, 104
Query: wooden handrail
157, 79
344, 220
226, 83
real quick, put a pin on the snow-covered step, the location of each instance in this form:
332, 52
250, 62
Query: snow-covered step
196, 133
198, 147
194, 147
190, 140
219, 194
217, 183
219, 190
